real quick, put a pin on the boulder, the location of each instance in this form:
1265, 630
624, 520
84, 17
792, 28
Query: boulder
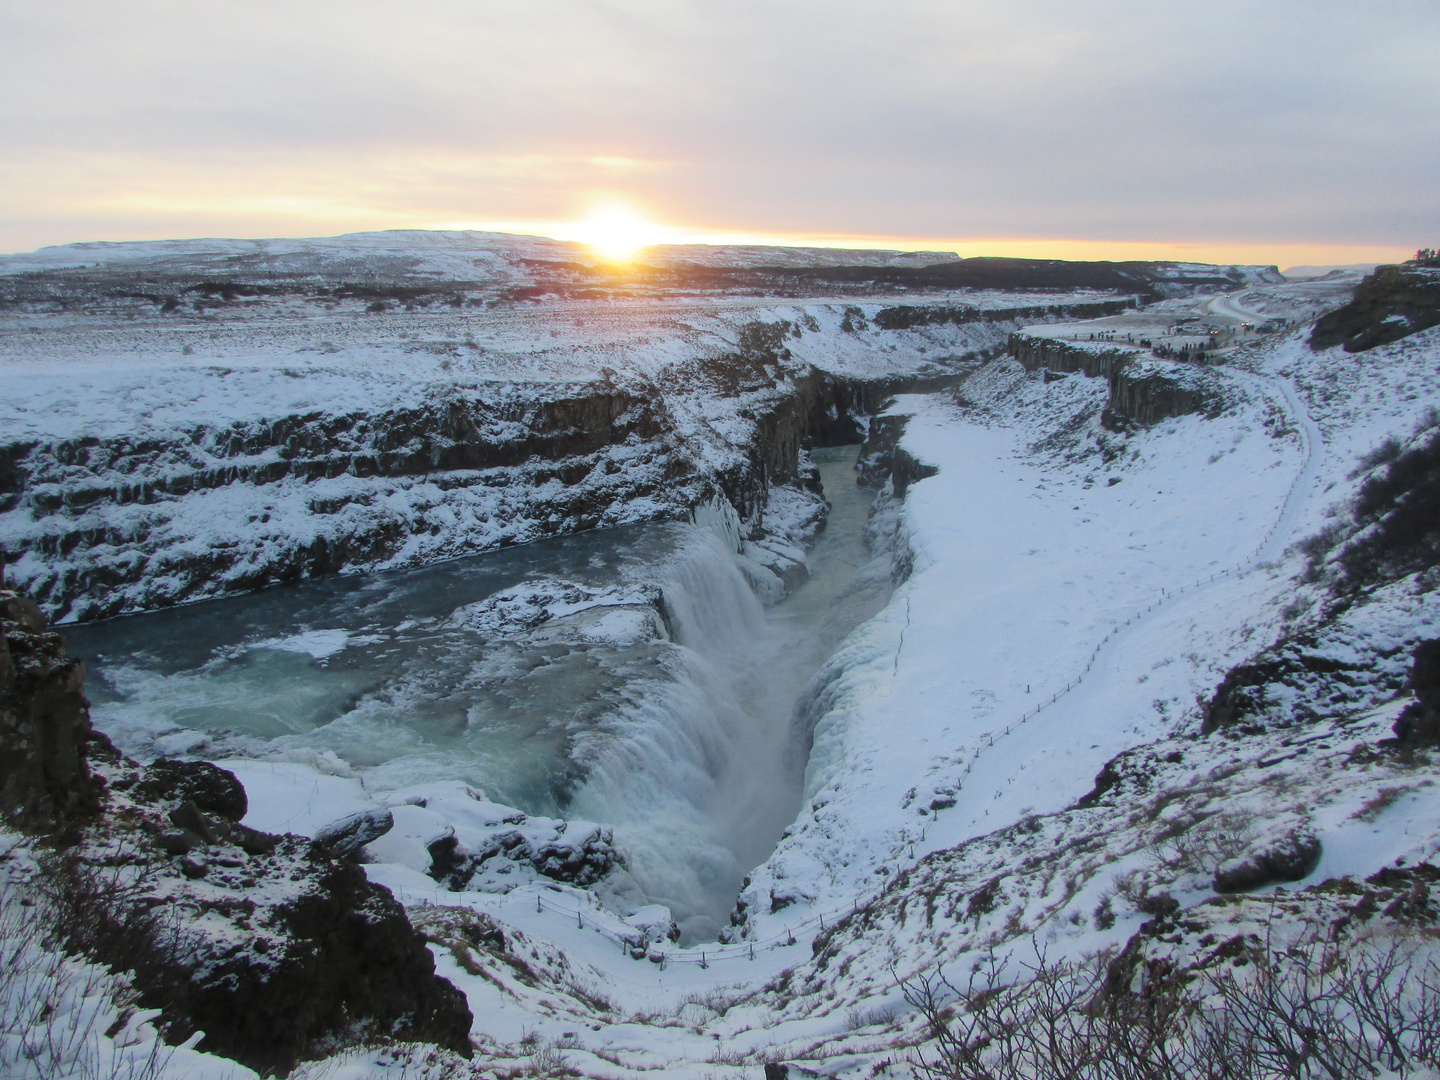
1291, 858
1419, 723
270, 945
345, 838
211, 789
1393, 302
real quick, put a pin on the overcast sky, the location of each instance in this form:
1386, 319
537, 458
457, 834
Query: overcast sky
1298, 126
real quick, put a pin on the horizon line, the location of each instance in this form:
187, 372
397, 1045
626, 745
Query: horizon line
1278, 254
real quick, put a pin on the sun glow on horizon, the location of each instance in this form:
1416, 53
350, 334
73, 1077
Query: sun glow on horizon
617, 233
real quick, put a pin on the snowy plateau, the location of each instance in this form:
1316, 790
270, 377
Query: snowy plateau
751, 662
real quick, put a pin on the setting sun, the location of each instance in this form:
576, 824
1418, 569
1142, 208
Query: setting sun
617, 233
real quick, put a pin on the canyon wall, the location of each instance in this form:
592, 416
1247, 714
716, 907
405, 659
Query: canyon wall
1142, 391
120, 524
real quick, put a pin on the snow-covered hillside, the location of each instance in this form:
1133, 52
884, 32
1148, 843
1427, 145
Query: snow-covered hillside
186, 419
1035, 748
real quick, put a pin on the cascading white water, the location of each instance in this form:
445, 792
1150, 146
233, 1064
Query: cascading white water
541, 675
693, 772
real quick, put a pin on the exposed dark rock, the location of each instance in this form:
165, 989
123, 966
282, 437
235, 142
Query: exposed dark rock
1062, 357
253, 841
1150, 391
1261, 692
274, 949
1237, 930
580, 862
1141, 391
188, 818
451, 864
911, 316
882, 457
44, 721
1419, 723
296, 951
1105, 780
345, 838
211, 789
1149, 280
877, 453
179, 843
1289, 859
1391, 303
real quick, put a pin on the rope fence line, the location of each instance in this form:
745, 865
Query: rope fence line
703, 955
1165, 596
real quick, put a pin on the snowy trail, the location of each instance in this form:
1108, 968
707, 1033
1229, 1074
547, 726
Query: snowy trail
1087, 694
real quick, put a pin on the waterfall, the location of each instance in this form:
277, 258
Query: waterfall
688, 766
537, 674
721, 518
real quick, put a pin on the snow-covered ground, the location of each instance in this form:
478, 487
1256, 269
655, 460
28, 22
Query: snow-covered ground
1051, 620
1068, 596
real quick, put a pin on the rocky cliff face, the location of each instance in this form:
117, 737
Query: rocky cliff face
44, 720
268, 944
1392, 303
1149, 391
103, 526
1141, 391
1063, 357
127, 523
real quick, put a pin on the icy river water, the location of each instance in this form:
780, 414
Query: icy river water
631, 677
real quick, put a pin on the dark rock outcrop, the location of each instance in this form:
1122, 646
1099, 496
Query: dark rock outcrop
579, 860
276, 952
44, 721
1290, 858
268, 944
1392, 303
1300, 677
1063, 357
882, 457
911, 316
1150, 391
1141, 391
1419, 723
210, 788
345, 838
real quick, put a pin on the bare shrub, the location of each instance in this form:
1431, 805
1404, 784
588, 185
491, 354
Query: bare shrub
96, 912
546, 1060
729, 1057
1202, 847
857, 1017
1318, 1011
57, 1014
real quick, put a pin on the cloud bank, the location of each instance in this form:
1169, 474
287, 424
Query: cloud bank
1283, 122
